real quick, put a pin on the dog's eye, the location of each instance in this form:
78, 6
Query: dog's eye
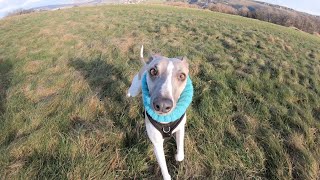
182, 76
153, 72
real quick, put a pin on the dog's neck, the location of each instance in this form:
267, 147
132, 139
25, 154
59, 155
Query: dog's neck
181, 107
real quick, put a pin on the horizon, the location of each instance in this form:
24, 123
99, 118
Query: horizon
7, 6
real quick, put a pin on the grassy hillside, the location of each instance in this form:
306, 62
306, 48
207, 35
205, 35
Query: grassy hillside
265, 12
64, 76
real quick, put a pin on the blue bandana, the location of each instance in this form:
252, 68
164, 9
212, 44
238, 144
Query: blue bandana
181, 107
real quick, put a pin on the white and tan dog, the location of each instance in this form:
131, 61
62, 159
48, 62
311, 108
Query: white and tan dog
166, 79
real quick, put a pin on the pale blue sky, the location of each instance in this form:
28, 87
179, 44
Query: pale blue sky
10, 5
309, 6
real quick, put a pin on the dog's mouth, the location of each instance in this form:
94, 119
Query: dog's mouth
162, 113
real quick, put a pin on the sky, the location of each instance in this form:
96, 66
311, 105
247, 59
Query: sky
6, 6
308, 6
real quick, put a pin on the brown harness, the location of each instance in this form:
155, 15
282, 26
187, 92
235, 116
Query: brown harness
165, 129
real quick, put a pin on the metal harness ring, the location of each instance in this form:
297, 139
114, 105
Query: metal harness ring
165, 130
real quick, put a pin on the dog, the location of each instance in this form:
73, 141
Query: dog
165, 80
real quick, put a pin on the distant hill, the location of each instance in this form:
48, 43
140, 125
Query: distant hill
264, 11
85, 3
70, 5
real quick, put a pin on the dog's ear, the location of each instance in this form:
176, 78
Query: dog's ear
153, 57
182, 58
150, 59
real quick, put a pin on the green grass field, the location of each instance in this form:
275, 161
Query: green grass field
64, 115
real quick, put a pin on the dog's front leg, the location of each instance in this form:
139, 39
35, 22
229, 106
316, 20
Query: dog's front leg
135, 87
180, 144
158, 150
157, 140
180, 140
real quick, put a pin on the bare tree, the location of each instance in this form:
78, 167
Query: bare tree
244, 11
219, 7
273, 14
19, 12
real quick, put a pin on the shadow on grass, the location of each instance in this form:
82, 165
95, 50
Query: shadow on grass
107, 81
110, 83
5, 69
5, 81
49, 165
104, 78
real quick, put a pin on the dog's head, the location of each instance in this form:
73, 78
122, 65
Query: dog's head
166, 78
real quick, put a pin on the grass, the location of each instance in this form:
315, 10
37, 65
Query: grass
64, 76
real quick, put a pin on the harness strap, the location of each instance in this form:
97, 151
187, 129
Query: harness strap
165, 129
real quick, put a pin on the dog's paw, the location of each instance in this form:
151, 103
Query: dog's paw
179, 157
167, 177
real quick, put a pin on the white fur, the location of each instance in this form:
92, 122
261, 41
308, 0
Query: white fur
135, 87
154, 135
167, 85
141, 52
141, 56
157, 140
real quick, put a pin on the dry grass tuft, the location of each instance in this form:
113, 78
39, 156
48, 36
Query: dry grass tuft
33, 67
245, 123
297, 141
271, 39
69, 37
95, 106
125, 44
40, 93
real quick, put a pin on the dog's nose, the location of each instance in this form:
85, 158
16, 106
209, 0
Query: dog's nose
163, 105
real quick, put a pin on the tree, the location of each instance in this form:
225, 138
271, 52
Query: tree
19, 12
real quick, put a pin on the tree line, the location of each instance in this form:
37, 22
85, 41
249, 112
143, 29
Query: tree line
280, 16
